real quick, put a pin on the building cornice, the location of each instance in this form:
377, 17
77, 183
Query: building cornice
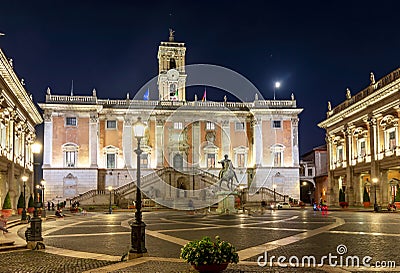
17, 89
364, 99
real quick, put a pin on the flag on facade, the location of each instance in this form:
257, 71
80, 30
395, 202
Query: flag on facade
146, 95
204, 95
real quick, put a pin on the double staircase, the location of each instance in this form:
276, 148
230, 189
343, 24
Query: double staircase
162, 186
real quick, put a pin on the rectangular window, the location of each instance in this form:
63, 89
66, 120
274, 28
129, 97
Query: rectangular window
340, 154
239, 126
111, 161
392, 140
241, 160
362, 152
278, 159
70, 121
70, 157
144, 161
276, 124
211, 160
210, 125
178, 125
310, 172
111, 124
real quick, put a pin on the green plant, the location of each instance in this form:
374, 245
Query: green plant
205, 251
20, 203
397, 198
31, 203
7, 202
366, 195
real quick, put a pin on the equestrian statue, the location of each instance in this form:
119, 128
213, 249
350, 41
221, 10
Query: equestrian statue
227, 173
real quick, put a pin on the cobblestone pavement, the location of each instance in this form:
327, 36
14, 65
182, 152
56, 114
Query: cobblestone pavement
41, 262
281, 233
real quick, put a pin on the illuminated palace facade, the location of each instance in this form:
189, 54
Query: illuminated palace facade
89, 142
362, 135
18, 118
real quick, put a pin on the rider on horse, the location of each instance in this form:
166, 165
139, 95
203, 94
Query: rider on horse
225, 166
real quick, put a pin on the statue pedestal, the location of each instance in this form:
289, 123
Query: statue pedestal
226, 205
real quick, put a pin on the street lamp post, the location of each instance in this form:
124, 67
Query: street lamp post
375, 181
109, 207
42, 183
33, 234
277, 85
138, 236
274, 186
23, 216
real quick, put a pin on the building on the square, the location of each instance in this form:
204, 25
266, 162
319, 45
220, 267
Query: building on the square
314, 175
18, 118
362, 135
89, 143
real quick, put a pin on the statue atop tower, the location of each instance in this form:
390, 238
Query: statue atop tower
171, 35
171, 70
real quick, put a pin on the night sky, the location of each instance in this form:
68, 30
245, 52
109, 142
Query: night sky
316, 49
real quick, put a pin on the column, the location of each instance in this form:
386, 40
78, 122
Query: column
258, 143
226, 139
93, 138
127, 141
384, 193
373, 146
159, 142
350, 195
196, 144
47, 139
295, 141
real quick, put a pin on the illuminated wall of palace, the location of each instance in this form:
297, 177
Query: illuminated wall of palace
18, 118
362, 135
89, 142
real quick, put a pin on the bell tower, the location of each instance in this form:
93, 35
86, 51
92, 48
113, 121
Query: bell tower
171, 70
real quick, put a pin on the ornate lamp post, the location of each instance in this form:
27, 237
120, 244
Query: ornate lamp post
23, 216
43, 183
109, 207
138, 236
33, 235
274, 186
375, 181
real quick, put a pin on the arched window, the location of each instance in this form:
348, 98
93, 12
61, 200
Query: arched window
277, 155
70, 151
172, 63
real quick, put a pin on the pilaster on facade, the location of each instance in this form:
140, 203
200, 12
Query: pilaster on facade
127, 142
258, 141
295, 141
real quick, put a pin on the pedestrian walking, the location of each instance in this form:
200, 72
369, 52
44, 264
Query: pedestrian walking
48, 205
52, 205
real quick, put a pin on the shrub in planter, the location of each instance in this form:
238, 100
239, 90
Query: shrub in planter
7, 209
208, 256
366, 198
31, 204
397, 198
20, 204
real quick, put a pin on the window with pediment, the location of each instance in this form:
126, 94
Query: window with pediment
390, 128
70, 151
